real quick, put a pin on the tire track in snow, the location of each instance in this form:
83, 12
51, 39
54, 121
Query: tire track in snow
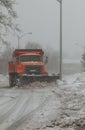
29, 115
10, 111
11, 116
21, 108
17, 107
25, 99
14, 108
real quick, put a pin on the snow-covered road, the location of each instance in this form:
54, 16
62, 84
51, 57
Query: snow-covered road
17, 106
43, 106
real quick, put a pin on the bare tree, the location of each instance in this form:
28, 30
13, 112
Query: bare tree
7, 13
33, 45
7, 17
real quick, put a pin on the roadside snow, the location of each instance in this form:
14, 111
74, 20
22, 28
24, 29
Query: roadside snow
73, 101
4, 80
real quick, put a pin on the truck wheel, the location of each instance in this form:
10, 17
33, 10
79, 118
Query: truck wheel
11, 80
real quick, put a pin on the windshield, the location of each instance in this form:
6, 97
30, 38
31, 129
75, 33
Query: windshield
28, 58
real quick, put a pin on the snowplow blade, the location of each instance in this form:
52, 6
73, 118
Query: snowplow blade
25, 79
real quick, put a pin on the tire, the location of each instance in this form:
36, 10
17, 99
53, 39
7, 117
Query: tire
11, 80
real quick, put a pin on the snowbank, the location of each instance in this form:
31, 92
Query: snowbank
73, 101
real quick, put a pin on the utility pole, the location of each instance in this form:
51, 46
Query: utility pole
60, 1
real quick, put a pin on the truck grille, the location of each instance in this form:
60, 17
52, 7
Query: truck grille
33, 69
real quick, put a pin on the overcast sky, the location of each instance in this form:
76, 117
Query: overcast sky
41, 17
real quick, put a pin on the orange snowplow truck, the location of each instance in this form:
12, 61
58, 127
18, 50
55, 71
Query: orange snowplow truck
27, 66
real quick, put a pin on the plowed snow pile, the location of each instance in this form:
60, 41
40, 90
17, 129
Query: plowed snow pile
43, 106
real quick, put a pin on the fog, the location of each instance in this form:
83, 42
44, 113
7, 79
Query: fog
42, 19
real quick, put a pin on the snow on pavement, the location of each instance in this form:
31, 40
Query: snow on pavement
43, 106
